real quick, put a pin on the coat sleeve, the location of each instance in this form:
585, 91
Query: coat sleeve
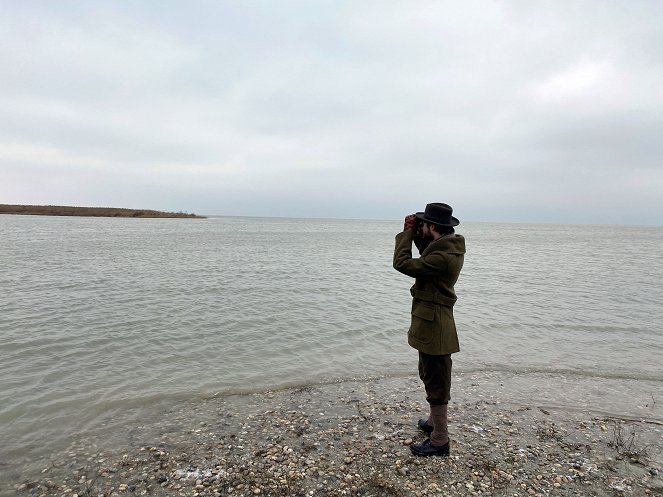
430, 264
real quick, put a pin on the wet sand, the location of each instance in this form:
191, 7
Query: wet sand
352, 438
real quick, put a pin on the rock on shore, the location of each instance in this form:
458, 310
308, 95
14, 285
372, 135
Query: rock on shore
351, 439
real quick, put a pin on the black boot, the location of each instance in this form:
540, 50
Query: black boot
424, 426
427, 449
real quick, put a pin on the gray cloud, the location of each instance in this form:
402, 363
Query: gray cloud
508, 110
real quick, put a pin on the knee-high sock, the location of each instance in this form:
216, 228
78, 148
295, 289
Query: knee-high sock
438, 416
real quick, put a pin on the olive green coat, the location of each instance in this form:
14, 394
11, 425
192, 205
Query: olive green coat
432, 329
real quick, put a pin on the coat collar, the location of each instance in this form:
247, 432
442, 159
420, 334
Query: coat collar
453, 244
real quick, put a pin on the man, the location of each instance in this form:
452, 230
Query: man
432, 330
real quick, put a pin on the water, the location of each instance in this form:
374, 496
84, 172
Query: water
103, 319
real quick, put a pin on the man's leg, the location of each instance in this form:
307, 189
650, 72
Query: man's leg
440, 434
435, 373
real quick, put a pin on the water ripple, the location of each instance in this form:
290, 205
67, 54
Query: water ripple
103, 315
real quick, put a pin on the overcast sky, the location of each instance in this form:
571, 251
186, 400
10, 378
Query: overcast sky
523, 111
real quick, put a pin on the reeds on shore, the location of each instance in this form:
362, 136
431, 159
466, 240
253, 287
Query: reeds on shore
65, 210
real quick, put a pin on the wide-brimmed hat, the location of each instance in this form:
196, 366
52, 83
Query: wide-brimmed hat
438, 213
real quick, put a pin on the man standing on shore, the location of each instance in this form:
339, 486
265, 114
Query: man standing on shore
432, 330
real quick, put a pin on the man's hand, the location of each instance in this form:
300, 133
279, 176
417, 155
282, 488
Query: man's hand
410, 222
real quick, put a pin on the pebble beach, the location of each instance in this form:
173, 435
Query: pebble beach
351, 439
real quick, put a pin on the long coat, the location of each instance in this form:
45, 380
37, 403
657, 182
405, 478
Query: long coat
432, 329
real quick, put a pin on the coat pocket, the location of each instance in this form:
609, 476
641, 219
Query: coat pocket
424, 312
422, 328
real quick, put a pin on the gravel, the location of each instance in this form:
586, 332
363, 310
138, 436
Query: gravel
352, 439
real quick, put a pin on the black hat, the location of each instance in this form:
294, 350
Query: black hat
439, 214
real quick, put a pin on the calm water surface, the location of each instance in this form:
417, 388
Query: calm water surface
100, 317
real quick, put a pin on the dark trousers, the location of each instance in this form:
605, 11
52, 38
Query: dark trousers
435, 372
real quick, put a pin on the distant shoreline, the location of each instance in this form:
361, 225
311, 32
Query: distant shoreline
65, 210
